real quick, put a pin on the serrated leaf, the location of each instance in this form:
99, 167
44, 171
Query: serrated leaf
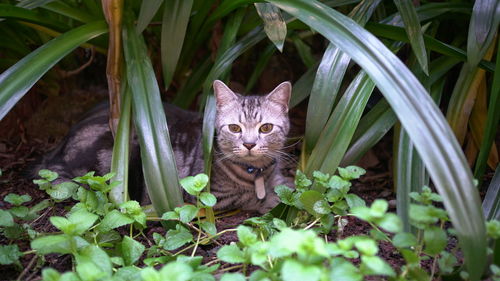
63, 190
296, 271
351, 172
231, 254
97, 257
186, 213
376, 266
246, 236
57, 244
177, 238
131, 250
367, 246
208, 227
343, 270
378, 208
301, 180
176, 271
285, 194
113, 220
16, 199
391, 222
404, 240
48, 175
170, 215
435, 240
322, 207
447, 262
208, 199
6, 218
10, 254
309, 198
194, 185
354, 200
19, 211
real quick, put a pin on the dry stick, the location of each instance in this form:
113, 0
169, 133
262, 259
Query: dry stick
70, 73
30, 264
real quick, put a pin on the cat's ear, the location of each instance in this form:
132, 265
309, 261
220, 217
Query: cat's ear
281, 94
223, 95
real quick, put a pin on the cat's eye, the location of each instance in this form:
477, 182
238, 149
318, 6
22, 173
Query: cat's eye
234, 128
266, 128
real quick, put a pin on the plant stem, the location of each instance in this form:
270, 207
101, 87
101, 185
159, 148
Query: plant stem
231, 267
311, 224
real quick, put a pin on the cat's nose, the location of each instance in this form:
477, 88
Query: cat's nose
249, 145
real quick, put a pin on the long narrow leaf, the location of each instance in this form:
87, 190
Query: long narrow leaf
18, 79
146, 14
491, 203
173, 30
120, 158
482, 29
158, 160
492, 120
328, 79
13, 12
414, 31
339, 129
418, 114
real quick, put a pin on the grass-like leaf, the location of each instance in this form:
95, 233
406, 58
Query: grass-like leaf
491, 202
158, 160
173, 30
482, 29
432, 136
414, 31
146, 14
274, 25
18, 79
13, 12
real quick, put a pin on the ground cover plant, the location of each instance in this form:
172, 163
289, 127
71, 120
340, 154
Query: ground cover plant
439, 99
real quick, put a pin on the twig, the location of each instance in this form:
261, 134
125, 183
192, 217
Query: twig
30, 264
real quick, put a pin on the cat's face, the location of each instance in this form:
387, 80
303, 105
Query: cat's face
252, 128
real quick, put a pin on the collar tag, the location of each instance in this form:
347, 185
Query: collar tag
260, 188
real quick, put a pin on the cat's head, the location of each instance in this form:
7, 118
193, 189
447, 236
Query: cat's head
252, 128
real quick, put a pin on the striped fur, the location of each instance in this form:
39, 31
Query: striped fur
89, 144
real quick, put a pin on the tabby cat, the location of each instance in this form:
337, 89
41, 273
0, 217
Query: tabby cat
250, 134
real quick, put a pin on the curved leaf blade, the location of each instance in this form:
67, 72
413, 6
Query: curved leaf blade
274, 25
419, 115
18, 79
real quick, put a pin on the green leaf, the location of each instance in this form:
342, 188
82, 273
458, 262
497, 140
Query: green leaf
351, 172
150, 274
354, 200
482, 29
414, 31
62, 244
274, 25
6, 218
131, 250
194, 185
309, 198
176, 271
187, 213
295, 271
404, 240
435, 240
447, 263
375, 265
208, 199
367, 246
77, 223
18, 79
146, 13
301, 180
158, 160
231, 254
16, 199
10, 254
113, 220
98, 259
379, 208
322, 207
19, 211
285, 194
176, 15
208, 227
246, 236
170, 215
432, 136
391, 222
342, 270
232, 277
133, 209
48, 175
62, 191
177, 238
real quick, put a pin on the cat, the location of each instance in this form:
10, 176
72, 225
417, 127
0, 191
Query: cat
250, 134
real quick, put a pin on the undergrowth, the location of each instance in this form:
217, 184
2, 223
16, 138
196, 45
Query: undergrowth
309, 247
